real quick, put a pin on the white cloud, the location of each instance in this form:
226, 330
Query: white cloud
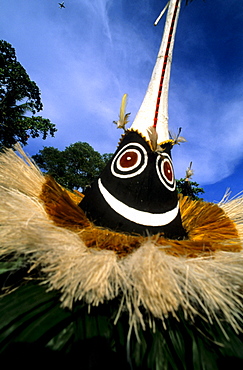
213, 128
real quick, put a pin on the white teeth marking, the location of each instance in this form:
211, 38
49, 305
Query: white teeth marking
134, 215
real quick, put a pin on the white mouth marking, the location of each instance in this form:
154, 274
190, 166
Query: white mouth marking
132, 214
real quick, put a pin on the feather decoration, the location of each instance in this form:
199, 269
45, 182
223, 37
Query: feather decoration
177, 139
153, 137
123, 116
161, 14
189, 172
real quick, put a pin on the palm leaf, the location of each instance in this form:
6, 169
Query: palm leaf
32, 321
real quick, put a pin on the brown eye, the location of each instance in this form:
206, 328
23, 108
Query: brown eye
128, 159
168, 171
165, 171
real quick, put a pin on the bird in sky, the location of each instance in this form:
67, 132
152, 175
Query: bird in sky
61, 5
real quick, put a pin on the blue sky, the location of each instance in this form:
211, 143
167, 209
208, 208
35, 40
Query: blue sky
86, 56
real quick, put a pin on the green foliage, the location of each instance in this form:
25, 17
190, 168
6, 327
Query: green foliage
19, 96
33, 322
75, 167
189, 188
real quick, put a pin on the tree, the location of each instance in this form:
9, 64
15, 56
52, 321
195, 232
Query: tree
189, 188
19, 96
75, 167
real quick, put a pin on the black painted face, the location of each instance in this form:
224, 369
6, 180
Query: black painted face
136, 192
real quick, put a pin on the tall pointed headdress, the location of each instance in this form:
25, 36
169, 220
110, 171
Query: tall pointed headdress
154, 109
136, 193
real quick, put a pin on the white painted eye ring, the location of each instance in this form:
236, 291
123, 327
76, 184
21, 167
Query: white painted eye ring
136, 154
165, 171
132, 159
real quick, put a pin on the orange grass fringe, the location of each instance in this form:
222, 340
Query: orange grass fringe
209, 228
